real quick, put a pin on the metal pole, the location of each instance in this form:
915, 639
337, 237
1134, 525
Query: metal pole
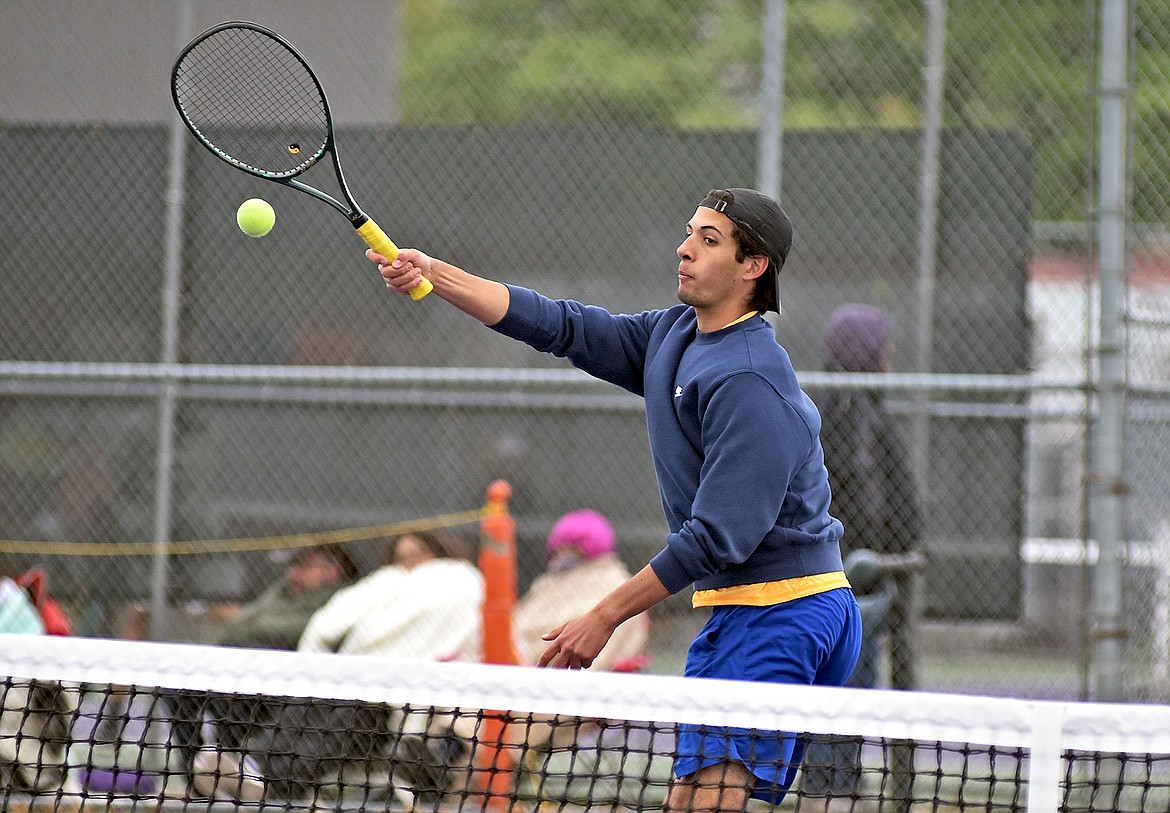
772, 98
903, 639
1107, 485
932, 102
169, 355
904, 616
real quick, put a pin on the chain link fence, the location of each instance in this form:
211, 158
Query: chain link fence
166, 378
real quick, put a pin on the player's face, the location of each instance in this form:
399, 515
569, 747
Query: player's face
708, 274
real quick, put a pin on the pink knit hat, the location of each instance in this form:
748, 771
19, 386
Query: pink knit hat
586, 530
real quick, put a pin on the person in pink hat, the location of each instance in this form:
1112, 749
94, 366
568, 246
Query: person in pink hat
583, 567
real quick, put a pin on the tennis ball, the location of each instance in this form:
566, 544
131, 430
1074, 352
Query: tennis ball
256, 217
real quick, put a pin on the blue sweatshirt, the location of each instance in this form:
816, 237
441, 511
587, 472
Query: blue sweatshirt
733, 437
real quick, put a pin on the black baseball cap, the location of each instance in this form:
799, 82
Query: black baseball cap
763, 219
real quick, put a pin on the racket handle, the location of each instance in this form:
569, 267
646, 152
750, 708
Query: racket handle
376, 239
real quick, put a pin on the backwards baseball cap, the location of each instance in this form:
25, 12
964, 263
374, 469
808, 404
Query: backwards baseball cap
762, 219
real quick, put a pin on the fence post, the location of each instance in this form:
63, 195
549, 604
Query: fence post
497, 562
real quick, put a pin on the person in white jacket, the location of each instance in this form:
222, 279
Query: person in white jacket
425, 605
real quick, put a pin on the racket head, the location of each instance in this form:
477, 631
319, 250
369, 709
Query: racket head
253, 100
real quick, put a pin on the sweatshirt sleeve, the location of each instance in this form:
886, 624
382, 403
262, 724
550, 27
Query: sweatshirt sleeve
607, 346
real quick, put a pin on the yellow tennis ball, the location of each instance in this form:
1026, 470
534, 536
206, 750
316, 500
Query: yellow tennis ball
256, 217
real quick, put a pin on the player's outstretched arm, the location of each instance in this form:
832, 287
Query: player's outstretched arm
484, 299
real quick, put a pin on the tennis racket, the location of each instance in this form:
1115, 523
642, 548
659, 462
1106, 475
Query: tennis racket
254, 101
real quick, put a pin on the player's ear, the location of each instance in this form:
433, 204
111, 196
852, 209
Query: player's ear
756, 266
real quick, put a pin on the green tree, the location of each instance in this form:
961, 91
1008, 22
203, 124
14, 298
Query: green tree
1025, 66
570, 62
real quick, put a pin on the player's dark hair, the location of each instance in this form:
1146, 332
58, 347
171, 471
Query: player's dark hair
746, 245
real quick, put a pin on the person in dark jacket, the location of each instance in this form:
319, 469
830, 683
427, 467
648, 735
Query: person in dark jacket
875, 499
277, 617
869, 474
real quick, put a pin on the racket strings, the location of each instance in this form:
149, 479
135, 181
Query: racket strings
251, 100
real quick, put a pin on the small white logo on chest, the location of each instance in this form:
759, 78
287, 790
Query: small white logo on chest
677, 391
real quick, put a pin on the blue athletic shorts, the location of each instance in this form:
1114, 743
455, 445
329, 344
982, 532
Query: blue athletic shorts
813, 640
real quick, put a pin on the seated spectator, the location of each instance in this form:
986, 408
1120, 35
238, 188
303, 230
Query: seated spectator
18, 614
35, 714
583, 567
274, 620
426, 604
277, 618
36, 582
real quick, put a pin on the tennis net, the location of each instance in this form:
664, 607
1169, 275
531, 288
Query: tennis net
91, 724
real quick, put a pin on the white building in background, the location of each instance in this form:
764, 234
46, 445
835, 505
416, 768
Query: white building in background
1062, 296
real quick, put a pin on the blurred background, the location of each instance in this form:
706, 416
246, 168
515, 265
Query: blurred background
993, 175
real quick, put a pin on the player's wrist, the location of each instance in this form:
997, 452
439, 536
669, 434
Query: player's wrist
609, 614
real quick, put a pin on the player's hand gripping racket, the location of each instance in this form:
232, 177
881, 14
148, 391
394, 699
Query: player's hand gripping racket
253, 100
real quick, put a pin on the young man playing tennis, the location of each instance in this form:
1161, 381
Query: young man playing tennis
736, 449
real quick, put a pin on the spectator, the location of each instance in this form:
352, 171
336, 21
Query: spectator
277, 618
18, 614
274, 620
34, 714
873, 487
873, 496
583, 568
426, 604
56, 621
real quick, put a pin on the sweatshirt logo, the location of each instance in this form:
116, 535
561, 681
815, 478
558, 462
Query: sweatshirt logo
678, 391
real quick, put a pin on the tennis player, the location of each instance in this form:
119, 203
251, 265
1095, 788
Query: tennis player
736, 449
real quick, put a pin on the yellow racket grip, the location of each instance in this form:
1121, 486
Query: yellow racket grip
376, 239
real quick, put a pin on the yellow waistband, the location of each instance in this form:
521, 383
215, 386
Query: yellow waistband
765, 594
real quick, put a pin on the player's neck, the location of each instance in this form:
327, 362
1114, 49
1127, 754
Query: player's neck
719, 317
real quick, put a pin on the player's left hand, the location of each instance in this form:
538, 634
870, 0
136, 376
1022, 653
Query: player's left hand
576, 644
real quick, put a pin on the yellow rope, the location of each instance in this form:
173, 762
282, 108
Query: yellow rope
266, 543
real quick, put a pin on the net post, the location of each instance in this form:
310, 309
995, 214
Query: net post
497, 562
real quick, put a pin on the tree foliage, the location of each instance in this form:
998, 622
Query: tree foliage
848, 63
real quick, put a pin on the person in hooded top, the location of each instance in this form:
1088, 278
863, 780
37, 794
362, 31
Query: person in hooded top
583, 567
